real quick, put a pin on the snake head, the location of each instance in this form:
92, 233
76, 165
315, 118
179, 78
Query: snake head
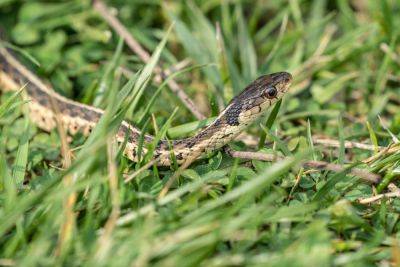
257, 97
267, 87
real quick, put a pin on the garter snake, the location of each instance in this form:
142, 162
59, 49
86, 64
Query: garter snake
76, 117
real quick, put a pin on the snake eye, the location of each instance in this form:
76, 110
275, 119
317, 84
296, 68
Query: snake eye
271, 92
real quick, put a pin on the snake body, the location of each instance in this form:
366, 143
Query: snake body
76, 117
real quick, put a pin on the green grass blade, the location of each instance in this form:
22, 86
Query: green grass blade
270, 121
11, 102
21, 159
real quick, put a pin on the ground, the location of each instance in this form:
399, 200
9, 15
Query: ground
94, 207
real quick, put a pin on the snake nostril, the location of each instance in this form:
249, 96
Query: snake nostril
288, 78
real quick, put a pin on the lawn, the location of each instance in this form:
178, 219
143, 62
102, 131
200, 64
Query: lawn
314, 182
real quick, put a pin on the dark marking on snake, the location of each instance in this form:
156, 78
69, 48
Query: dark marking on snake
232, 114
179, 156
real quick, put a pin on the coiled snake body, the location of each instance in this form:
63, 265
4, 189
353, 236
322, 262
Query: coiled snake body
76, 117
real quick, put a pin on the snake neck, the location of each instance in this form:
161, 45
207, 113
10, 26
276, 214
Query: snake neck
224, 129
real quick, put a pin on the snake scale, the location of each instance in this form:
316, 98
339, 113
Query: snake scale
76, 117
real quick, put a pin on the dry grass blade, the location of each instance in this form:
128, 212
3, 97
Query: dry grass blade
391, 149
347, 144
67, 227
168, 72
105, 240
175, 176
132, 176
144, 55
365, 175
395, 192
7, 262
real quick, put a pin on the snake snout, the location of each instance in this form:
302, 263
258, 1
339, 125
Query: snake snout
283, 76
287, 77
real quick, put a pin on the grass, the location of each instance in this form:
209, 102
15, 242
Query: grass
221, 211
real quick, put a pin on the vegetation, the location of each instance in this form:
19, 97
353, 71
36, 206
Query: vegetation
61, 208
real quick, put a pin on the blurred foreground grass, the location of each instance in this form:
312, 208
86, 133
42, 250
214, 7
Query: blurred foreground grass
345, 58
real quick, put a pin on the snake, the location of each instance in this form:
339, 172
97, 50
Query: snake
76, 117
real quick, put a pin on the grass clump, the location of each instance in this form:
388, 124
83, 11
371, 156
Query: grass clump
221, 211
